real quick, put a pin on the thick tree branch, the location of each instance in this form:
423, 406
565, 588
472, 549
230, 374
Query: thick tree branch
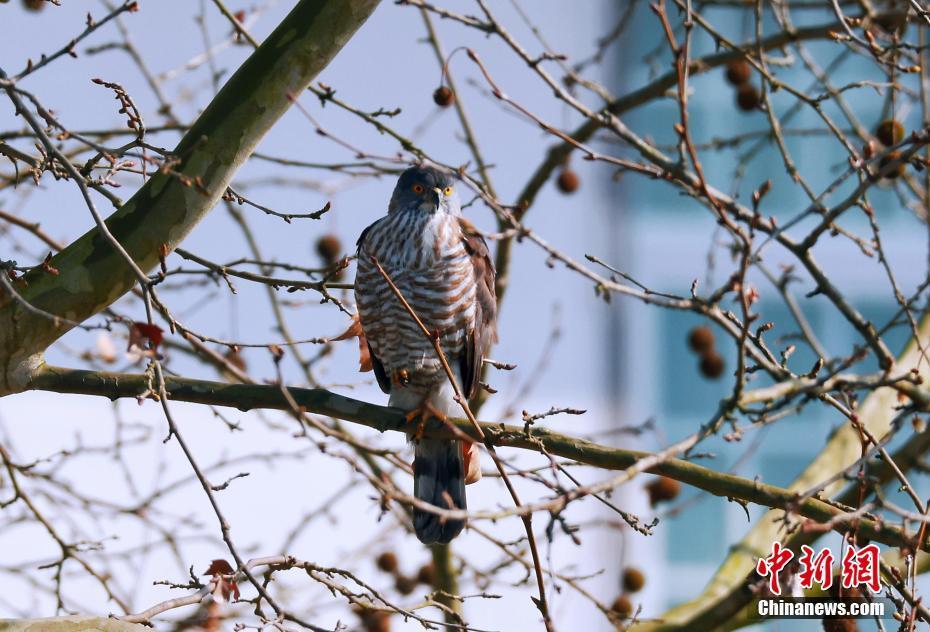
253, 396
102, 624
165, 209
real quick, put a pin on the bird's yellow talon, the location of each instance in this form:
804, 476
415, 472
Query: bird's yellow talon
422, 414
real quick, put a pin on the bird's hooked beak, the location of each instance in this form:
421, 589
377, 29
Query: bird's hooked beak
437, 202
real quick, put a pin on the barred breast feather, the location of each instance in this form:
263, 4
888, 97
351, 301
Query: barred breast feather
443, 270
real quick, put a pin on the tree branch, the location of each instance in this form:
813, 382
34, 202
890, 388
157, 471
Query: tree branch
168, 206
105, 624
253, 396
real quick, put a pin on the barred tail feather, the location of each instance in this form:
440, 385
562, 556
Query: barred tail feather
439, 479
438, 467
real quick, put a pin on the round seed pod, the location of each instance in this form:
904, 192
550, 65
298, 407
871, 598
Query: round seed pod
374, 620
622, 606
33, 5
712, 365
738, 72
568, 181
891, 22
329, 248
662, 489
427, 574
748, 97
387, 562
889, 132
701, 339
405, 585
839, 625
235, 358
898, 170
633, 579
443, 96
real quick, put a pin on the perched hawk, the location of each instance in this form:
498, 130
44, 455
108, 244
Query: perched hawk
442, 268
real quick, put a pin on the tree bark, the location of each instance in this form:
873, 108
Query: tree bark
92, 274
70, 624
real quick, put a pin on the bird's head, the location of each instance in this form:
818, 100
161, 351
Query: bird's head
426, 189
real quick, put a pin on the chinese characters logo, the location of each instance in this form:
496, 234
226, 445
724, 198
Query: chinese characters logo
860, 566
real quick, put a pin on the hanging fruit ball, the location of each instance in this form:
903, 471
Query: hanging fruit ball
329, 248
738, 72
235, 361
889, 132
663, 489
235, 358
387, 562
568, 181
373, 620
839, 625
748, 97
427, 574
379, 621
891, 21
443, 96
701, 339
405, 585
896, 171
622, 606
34, 5
633, 579
712, 365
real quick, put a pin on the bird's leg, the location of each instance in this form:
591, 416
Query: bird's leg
424, 412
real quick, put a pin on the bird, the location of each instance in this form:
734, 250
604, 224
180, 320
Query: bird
440, 264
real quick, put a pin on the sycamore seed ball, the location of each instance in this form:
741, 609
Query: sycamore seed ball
623, 606
889, 132
387, 562
633, 579
738, 72
701, 339
443, 96
748, 97
568, 181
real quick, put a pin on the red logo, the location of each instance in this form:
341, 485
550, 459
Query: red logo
859, 566
816, 569
773, 564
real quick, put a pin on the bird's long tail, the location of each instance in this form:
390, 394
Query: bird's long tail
439, 467
439, 479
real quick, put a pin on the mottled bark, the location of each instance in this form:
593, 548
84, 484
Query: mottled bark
70, 624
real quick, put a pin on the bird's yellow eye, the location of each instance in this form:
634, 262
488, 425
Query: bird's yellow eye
418, 189
447, 191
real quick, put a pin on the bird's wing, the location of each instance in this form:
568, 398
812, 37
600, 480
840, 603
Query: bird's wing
478, 339
383, 380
